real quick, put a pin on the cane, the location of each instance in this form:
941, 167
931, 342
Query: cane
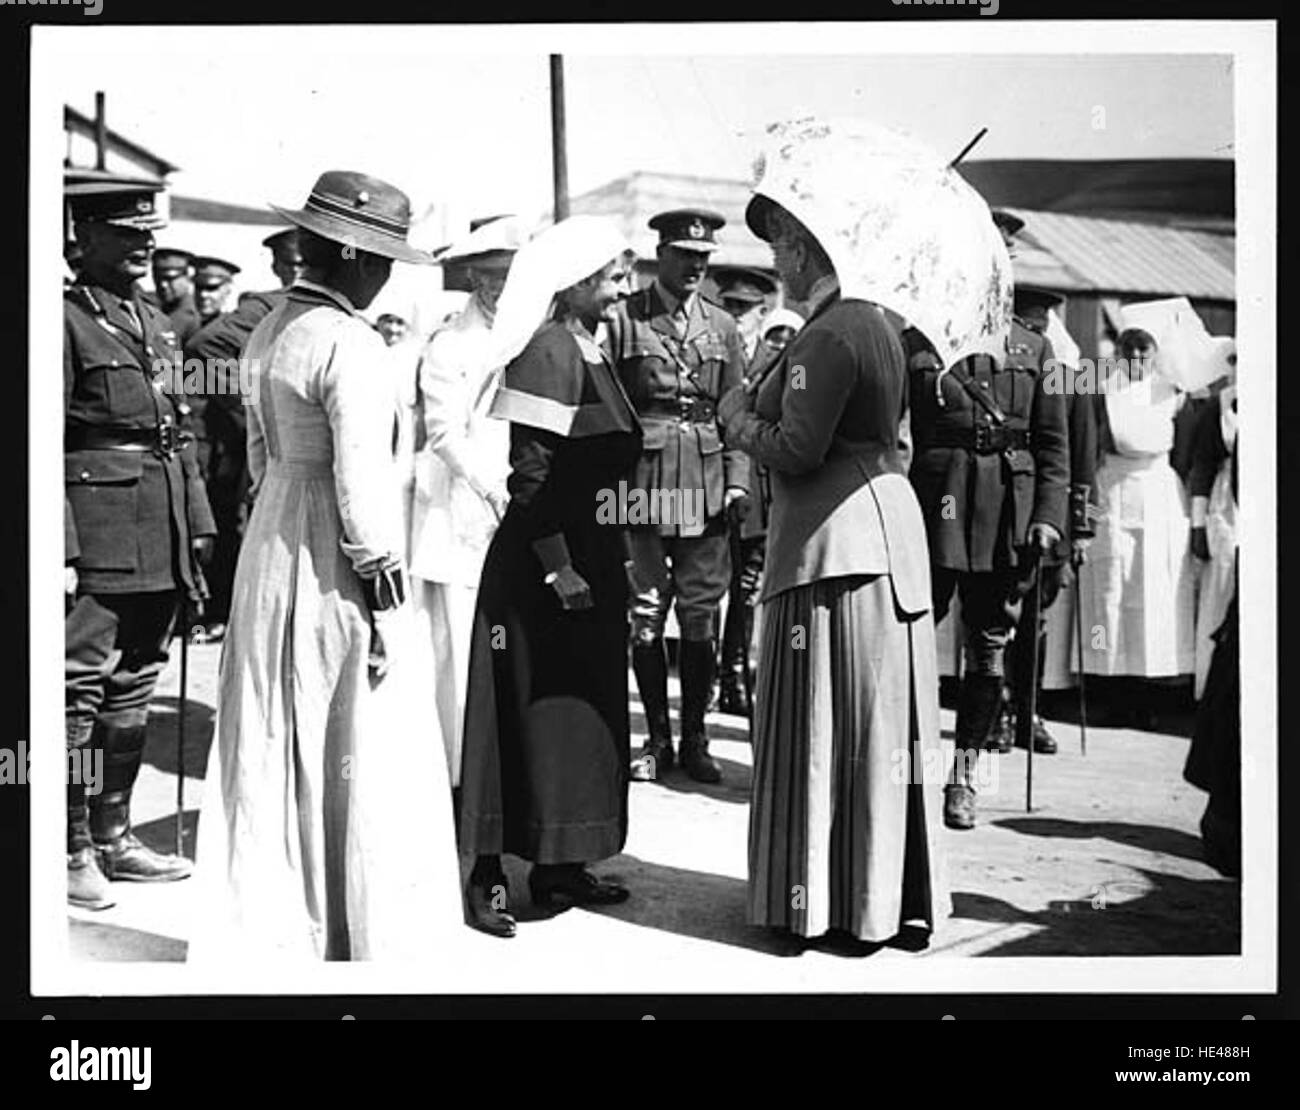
180, 723
1025, 723
1076, 561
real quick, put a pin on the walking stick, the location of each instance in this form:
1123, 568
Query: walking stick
1076, 560
180, 723
1025, 722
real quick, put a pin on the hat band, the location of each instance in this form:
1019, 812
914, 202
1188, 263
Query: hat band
326, 206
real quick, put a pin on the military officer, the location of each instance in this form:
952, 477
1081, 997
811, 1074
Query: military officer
990, 468
136, 523
1032, 305
746, 294
212, 278
676, 354
221, 422
174, 290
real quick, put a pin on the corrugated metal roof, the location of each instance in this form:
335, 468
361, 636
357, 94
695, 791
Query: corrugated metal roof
1120, 257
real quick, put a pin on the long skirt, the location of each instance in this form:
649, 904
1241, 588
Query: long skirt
848, 769
1217, 577
547, 743
444, 613
326, 829
1139, 585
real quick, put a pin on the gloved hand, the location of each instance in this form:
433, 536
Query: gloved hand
572, 589
737, 504
202, 547
1042, 537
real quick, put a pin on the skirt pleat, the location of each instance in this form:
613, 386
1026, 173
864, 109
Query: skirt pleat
847, 765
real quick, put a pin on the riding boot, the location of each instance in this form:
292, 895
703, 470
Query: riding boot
121, 853
650, 665
696, 670
977, 709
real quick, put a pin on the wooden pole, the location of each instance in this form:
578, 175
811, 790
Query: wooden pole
559, 161
101, 133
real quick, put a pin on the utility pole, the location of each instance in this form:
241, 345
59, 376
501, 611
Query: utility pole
101, 133
559, 161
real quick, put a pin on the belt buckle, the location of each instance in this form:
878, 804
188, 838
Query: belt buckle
166, 439
983, 437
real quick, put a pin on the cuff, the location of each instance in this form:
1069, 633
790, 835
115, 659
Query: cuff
552, 552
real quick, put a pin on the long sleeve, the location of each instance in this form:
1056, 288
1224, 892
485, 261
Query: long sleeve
447, 394
71, 545
1051, 450
361, 421
198, 511
256, 446
815, 393
735, 463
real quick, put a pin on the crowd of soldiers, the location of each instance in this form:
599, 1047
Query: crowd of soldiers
157, 493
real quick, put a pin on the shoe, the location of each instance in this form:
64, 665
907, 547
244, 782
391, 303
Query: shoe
1001, 736
87, 886
127, 859
733, 698
575, 885
697, 762
482, 914
655, 759
958, 806
1044, 742
696, 669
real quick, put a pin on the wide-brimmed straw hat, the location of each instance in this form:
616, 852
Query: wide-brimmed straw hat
361, 212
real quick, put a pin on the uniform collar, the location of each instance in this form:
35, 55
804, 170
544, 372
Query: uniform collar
671, 303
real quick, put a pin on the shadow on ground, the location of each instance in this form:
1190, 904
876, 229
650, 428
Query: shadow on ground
1173, 916
161, 741
1150, 838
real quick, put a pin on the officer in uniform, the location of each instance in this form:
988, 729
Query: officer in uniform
990, 468
174, 290
212, 278
136, 523
221, 425
1032, 305
677, 354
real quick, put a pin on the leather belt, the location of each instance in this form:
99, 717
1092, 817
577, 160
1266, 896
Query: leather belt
163, 440
983, 439
690, 410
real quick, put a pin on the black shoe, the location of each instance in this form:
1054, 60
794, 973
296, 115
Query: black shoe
697, 762
87, 886
127, 859
734, 699
575, 886
482, 912
1001, 736
1044, 743
655, 760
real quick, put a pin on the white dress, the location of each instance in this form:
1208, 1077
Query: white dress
451, 523
326, 830
1139, 583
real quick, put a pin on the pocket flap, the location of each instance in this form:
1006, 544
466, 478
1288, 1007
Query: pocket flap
655, 434
710, 440
103, 468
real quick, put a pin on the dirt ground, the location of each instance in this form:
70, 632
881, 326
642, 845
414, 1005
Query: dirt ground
1108, 863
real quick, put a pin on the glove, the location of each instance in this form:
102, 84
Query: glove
1079, 550
202, 547
737, 504
1201, 544
1042, 537
70, 581
572, 589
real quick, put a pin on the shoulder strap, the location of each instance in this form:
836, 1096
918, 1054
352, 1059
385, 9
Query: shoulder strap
980, 396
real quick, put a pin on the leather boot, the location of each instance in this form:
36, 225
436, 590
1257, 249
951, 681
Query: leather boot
696, 671
121, 853
650, 665
737, 632
87, 886
1002, 734
977, 708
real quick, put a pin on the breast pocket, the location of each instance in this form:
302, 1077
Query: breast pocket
103, 490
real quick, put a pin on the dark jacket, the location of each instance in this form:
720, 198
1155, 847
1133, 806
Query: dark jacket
825, 425
978, 506
129, 514
664, 376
